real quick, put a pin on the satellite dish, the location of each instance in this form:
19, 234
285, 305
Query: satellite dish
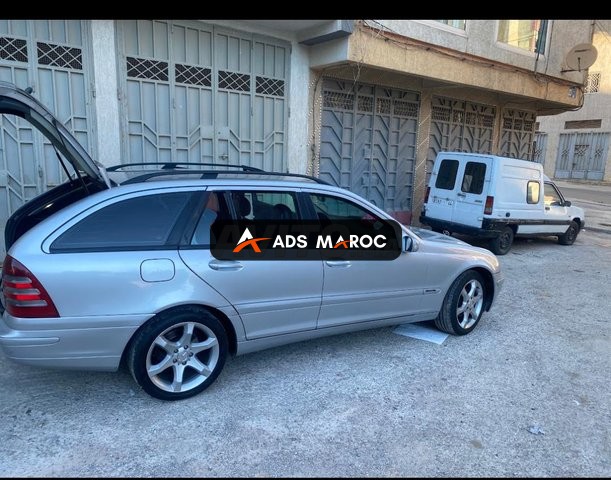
580, 57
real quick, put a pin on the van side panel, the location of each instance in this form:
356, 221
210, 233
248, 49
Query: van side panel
512, 191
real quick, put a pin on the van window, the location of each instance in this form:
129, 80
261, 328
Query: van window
446, 178
473, 180
532, 192
551, 195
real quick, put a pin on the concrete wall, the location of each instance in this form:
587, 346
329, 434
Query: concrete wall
106, 88
480, 39
379, 48
595, 106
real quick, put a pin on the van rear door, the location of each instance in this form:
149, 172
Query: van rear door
442, 195
459, 185
471, 190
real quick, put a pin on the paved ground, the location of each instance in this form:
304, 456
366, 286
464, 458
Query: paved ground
594, 199
526, 394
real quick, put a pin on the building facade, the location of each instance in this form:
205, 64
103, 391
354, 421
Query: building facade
363, 104
575, 145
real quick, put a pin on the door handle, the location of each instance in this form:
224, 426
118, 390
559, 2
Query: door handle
226, 265
546, 208
338, 263
460, 194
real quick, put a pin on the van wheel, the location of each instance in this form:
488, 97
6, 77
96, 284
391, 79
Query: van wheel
178, 353
463, 305
569, 237
502, 244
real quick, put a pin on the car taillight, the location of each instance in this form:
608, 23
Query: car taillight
489, 205
426, 194
24, 295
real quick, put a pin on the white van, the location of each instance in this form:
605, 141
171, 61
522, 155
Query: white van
497, 198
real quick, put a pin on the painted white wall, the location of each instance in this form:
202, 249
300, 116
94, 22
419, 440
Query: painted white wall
106, 102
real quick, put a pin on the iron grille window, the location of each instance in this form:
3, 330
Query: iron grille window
149, 69
592, 83
575, 124
364, 104
234, 81
270, 86
405, 109
13, 49
192, 75
338, 100
59, 56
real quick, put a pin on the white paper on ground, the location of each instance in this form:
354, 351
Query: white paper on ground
421, 332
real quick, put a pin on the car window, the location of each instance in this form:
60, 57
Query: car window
135, 223
551, 195
334, 208
473, 179
446, 178
215, 209
265, 205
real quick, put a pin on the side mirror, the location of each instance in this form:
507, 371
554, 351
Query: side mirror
567, 203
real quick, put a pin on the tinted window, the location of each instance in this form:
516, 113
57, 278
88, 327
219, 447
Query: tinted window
140, 222
533, 192
446, 178
473, 179
257, 205
334, 208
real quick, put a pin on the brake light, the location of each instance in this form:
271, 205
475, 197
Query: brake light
489, 205
24, 295
426, 194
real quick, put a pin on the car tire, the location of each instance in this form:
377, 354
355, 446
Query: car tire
463, 304
569, 237
178, 353
501, 244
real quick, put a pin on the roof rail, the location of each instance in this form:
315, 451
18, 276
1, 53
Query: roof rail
212, 174
180, 166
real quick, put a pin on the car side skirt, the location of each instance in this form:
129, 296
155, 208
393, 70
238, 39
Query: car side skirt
278, 340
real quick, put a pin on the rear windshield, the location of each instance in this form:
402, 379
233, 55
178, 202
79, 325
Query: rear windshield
446, 178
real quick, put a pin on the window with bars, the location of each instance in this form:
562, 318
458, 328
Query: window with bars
60, 56
592, 83
14, 49
461, 24
530, 35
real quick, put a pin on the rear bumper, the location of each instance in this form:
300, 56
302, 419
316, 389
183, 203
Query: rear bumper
489, 229
89, 343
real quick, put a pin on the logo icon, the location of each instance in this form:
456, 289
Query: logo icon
248, 240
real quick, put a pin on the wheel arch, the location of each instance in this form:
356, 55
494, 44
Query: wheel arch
488, 285
219, 315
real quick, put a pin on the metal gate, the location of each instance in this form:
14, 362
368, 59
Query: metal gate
582, 155
540, 148
368, 141
459, 126
517, 134
198, 93
52, 57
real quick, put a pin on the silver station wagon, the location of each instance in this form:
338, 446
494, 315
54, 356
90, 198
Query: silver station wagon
115, 267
